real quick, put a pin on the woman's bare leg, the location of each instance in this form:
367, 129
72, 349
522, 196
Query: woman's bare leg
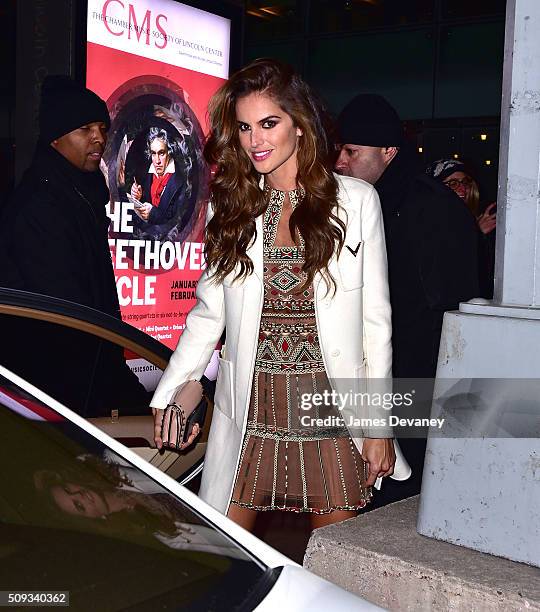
242, 516
321, 520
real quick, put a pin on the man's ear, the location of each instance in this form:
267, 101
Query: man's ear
389, 153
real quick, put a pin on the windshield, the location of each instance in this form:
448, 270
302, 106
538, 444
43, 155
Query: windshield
75, 516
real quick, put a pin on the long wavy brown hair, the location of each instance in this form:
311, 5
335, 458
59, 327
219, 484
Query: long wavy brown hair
236, 196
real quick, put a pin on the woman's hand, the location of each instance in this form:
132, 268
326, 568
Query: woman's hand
380, 456
487, 221
171, 441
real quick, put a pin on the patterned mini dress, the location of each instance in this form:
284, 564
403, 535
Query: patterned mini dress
288, 462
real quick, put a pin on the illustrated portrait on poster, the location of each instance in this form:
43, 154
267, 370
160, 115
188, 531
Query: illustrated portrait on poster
154, 162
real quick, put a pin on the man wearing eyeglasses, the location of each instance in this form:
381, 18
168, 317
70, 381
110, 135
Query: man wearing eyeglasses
431, 243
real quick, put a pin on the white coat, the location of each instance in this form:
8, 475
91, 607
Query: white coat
354, 326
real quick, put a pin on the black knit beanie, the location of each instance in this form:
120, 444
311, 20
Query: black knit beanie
370, 120
66, 106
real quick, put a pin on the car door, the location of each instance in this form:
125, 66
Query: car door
55, 344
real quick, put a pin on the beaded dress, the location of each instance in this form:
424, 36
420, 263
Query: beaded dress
288, 463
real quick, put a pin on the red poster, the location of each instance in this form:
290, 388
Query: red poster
156, 63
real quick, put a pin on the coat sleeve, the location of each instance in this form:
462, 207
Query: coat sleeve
376, 314
204, 326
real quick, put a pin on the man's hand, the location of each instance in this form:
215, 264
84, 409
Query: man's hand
380, 456
136, 190
122, 172
143, 211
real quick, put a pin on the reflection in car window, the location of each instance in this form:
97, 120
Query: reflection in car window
68, 504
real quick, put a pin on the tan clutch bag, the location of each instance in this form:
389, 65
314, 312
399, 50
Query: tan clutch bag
187, 407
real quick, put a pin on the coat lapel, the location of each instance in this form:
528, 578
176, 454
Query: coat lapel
346, 213
171, 188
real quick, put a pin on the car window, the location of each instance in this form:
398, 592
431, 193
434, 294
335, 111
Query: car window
76, 516
89, 374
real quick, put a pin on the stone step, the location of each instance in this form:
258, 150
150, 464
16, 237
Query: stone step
380, 556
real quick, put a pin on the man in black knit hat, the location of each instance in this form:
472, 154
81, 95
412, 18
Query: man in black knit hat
54, 241
431, 242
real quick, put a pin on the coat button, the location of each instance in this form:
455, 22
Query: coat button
335, 353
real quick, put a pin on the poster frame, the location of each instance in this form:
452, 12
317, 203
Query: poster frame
224, 9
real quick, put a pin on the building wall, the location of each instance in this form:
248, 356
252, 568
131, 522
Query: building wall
439, 62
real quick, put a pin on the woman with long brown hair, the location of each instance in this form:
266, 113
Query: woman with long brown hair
296, 273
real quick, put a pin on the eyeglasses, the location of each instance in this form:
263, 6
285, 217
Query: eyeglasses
455, 183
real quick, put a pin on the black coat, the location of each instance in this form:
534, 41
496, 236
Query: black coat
170, 212
53, 241
432, 261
